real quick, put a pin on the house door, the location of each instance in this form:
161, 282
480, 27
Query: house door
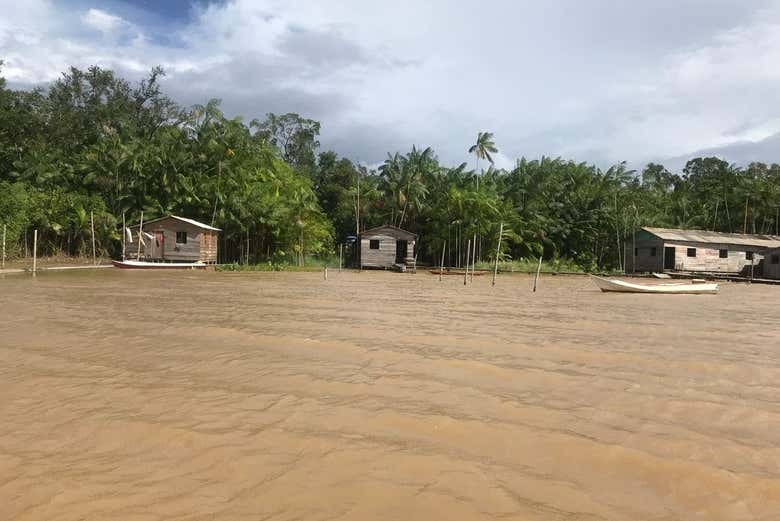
400, 251
669, 253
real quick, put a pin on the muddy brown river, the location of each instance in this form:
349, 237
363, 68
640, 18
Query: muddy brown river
278, 396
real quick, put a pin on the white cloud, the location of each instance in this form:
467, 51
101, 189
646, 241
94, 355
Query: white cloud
102, 21
595, 81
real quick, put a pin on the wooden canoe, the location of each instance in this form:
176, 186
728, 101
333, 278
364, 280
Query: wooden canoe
455, 272
143, 265
678, 288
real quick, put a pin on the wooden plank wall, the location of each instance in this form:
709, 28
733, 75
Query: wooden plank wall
645, 261
384, 257
708, 257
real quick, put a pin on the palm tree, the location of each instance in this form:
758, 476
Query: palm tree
483, 147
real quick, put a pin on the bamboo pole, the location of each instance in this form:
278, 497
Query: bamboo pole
473, 257
538, 269
441, 269
92, 226
498, 251
140, 235
325, 272
2, 263
341, 255
466, 273
35, 251
124, 236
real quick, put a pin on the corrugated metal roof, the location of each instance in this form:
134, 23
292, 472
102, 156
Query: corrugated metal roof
671, 234
196, 223
183, 219
393, 231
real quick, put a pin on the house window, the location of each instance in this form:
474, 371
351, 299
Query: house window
652, 251
181, 237
749, 255
723, 254
775, 259
374, 244
691, 252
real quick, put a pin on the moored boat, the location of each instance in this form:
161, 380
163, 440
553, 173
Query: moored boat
456, 272
143, 265
622, 286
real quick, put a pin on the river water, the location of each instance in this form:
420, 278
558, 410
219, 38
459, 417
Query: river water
158, 396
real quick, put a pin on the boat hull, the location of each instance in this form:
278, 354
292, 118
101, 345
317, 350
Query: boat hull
141, 265
676, 288
453, 272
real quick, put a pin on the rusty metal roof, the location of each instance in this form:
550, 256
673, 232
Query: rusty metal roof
392, 231
703, 236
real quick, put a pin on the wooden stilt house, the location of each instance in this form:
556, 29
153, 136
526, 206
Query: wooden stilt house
387, 247
173, 239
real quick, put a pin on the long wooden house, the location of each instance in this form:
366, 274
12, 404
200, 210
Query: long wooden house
665, 249
173, 239
387, 246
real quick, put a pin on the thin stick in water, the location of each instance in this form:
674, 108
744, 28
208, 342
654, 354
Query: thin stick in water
92, 225
35, 251
325, 273
2, 263
341, 251
498, 252
466, 273
538, 269
441, 270
473, 257
140, 235
124, 236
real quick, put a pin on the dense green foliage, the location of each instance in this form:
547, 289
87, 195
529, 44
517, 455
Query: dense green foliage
93, 142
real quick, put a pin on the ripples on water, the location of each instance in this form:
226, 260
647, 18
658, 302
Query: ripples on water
156, 396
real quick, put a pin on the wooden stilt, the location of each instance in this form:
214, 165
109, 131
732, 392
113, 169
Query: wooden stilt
2, 263
538, 269
498, 251
325, 273
341, 255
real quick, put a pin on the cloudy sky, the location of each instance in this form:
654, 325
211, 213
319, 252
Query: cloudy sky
598, 81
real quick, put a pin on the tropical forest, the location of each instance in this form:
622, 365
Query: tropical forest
93, 147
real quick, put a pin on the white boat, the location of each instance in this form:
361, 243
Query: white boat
143, 265
621, 286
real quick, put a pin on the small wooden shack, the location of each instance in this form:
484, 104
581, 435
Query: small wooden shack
386, 246
666, 249
173, 239
771, 264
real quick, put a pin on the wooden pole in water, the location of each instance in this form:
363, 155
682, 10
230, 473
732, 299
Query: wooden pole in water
466, 273
325, 272
92, 226
473, 257
498, 251
124, 236
341, 252
140, 235
35, 251
538, 269
2, 263
441, 269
